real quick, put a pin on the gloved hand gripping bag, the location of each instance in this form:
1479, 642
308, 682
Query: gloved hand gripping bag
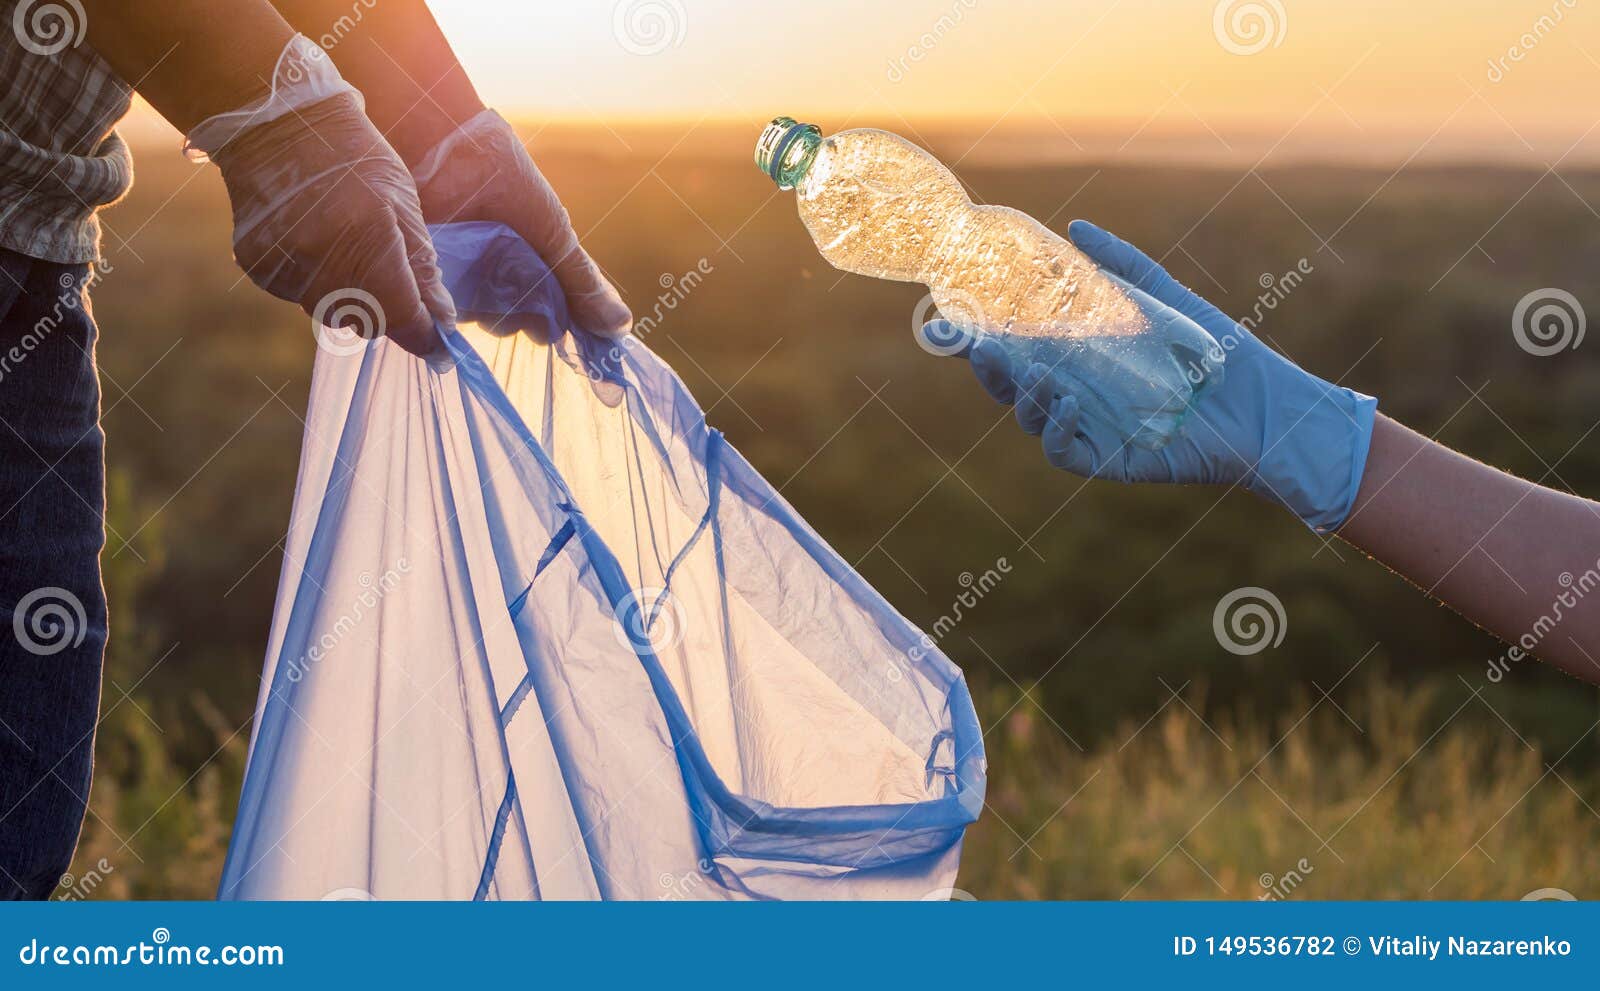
541, 633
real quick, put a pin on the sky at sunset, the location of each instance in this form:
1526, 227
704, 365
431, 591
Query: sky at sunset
1473, 78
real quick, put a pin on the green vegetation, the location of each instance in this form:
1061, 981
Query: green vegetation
1305, 804
1423, 788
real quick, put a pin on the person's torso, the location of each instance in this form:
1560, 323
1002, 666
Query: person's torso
60, 159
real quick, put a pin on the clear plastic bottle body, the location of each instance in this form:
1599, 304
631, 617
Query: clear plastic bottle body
878, 205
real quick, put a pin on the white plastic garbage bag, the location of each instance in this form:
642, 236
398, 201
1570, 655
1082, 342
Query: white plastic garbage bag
541, 633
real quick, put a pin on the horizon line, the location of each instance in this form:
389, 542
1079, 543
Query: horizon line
1101, 139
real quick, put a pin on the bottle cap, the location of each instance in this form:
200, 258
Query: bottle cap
785, 149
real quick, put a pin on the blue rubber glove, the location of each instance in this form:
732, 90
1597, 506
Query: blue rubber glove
1278, 431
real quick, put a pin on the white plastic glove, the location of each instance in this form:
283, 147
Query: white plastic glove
325, 214
481, 171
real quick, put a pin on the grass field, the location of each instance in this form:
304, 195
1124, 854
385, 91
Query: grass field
1131, 755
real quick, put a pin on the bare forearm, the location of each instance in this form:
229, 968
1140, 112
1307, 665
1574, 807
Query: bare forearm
1507, 554
190, 58
394, 52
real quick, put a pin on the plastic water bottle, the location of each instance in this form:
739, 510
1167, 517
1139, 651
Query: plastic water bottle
878, 205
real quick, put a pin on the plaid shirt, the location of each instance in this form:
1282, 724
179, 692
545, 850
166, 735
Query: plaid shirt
60, 160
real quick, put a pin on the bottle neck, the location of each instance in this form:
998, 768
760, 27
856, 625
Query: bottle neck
787, 150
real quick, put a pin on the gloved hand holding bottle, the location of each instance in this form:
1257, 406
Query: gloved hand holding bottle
880, 205
1474, 537
1269, 426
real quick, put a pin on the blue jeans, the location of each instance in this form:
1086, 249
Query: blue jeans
52, 604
